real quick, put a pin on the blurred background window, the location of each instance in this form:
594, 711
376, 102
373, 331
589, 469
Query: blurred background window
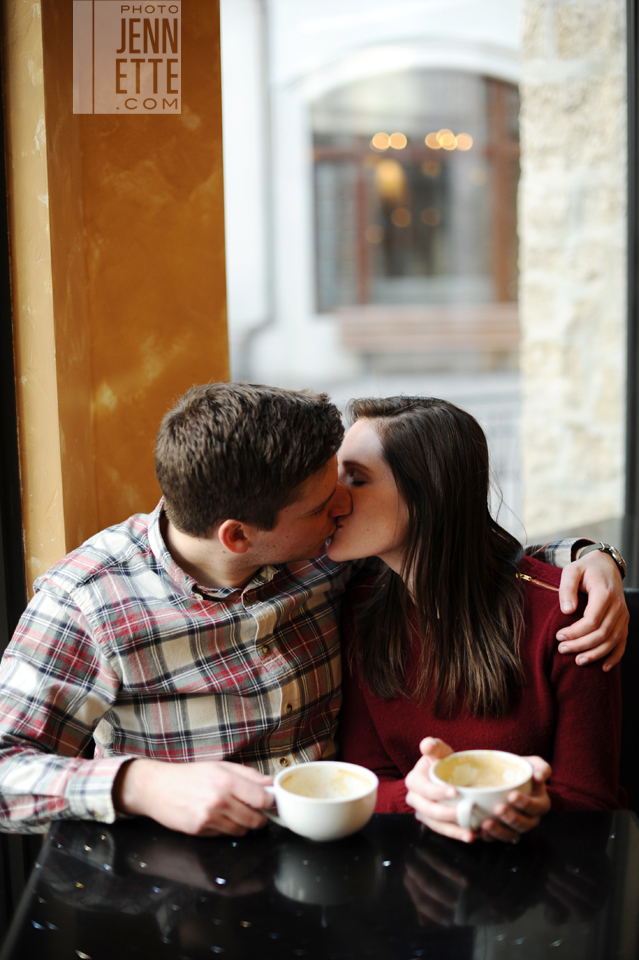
429, 198
416, 179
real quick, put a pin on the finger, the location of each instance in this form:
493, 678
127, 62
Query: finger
250, 794
419, 783
447, 829
616, 654
430, 808
244, 816
248, 773
584, 635
435, 748
542, 771
569, 588
614, 643
603, 610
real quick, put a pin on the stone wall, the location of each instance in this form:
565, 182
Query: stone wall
572, 223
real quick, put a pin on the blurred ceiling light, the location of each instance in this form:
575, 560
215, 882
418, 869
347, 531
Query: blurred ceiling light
432, 141
390, 179
381, 141
446, 139
374, 233
401, 217
430, 216
431, 168
398, 141
463, 141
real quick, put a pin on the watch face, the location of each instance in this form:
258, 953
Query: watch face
616, 556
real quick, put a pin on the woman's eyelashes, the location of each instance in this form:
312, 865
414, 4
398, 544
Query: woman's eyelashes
352, 480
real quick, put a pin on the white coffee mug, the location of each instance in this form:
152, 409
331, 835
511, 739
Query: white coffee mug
325, 800
498, 771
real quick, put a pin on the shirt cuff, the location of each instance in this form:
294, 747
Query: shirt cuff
89, 791
559, 553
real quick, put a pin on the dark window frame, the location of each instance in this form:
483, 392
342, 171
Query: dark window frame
631, 520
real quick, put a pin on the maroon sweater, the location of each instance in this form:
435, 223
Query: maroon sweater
569, 715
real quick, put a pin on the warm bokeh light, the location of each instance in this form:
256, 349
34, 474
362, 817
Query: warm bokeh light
398, 141
374, 233
381, 141
401, 217
463, 141
432, 141
431, 168
390, 179
430, 216
446, 139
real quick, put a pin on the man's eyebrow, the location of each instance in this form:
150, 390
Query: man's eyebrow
323, 504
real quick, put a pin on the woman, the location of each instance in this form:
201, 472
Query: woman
452, 645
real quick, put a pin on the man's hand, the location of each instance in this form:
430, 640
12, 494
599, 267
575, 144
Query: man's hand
207, 798
603, 629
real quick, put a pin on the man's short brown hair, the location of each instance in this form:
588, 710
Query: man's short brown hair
239, 451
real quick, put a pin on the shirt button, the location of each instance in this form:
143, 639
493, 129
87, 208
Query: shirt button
289, 707
283, 762
265, 649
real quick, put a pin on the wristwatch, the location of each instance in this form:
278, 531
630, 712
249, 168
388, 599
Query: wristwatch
611, 551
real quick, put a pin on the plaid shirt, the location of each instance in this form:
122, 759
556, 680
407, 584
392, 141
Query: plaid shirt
121, 646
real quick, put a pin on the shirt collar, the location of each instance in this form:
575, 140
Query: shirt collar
186, 583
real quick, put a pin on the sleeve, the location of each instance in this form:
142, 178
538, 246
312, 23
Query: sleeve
557, 554
587, 742
55, 686
362, 744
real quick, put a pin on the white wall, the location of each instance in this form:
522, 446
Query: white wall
246, 170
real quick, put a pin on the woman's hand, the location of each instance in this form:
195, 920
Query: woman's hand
521, 813
426, 796
518, 816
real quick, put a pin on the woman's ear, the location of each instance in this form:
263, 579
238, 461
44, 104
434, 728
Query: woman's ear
234, 536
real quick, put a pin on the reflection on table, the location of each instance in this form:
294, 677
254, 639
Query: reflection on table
395, 890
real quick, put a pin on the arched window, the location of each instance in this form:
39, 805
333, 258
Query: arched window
416, 179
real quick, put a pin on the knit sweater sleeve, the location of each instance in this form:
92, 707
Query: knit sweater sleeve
361, 743
585, 760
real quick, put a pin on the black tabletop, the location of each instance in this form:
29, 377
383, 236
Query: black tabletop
394, 891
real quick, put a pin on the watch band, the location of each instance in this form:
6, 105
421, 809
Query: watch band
611, 551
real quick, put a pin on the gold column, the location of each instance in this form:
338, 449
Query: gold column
117, 240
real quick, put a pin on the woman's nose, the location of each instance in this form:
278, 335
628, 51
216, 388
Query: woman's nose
341, 505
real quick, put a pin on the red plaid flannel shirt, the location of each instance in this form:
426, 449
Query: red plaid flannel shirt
121, 647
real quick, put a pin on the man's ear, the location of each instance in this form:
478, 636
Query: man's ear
234, 536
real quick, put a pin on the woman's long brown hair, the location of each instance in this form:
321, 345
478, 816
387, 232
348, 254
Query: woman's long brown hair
460, 563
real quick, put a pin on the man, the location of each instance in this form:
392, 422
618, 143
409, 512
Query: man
203, 633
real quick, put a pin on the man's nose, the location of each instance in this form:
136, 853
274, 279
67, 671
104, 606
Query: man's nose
341, 504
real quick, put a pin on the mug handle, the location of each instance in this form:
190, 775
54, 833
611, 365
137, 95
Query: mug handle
465, 811
267, 813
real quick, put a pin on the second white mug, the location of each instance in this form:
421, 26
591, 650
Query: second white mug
483, 779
